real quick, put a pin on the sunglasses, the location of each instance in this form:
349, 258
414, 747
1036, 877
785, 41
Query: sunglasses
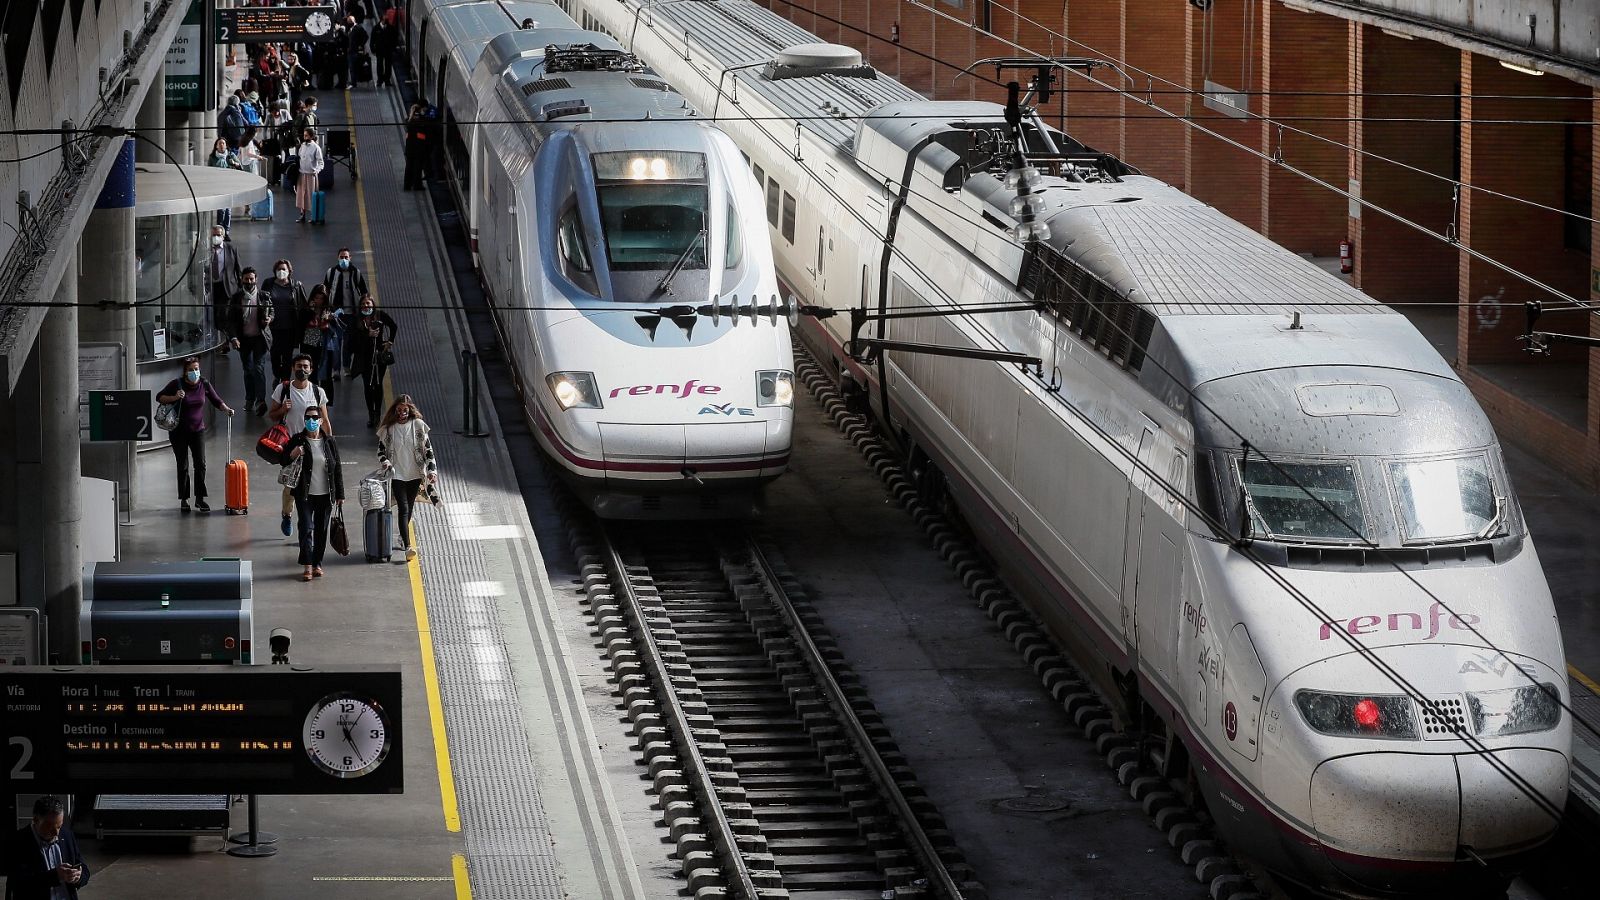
313, 418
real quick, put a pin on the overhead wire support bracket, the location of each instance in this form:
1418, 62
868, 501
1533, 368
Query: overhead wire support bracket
1538, 342
866, 350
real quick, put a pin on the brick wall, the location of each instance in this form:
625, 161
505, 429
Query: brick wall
1305, 66
1158, 57
1220, 173
1094, 113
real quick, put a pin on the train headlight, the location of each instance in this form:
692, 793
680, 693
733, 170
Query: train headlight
1519, 710
775, 387
1384, 716
574, 390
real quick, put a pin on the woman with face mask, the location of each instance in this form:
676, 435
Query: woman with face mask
406, 453
318, 490
222, 157
191, 392
371, 334
288, 298
317, 336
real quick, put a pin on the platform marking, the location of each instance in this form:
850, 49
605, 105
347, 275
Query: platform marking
458, 865
419, 602
1583, 679
405, 878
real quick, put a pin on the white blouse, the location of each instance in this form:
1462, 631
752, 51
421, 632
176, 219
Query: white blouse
310, 158
317, 459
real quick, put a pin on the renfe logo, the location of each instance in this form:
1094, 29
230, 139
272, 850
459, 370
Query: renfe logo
1405, 621
692, 386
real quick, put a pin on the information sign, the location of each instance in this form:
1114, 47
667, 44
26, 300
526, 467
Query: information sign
275, 24
100, 368
19, 636
202, 730
120, 416
186, 62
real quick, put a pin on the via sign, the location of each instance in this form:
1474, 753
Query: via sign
120, 416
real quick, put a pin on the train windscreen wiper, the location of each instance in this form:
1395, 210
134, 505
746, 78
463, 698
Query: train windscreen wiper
683, 259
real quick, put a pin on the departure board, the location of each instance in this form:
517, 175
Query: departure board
202, 729
273, 24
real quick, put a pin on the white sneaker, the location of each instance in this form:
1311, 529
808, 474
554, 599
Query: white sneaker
411, 553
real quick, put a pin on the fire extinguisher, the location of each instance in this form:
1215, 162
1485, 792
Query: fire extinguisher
894, 32
1347, 256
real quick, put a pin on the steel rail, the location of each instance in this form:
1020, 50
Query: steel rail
933, 865
734, 865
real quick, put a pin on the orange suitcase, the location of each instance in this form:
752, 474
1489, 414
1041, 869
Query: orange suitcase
238, 492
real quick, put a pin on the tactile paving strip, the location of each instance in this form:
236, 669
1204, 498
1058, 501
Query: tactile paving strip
510, 847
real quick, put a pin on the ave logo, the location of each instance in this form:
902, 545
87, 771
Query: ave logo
726, 409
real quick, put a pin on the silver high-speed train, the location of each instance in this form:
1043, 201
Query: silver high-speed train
1274, 519
621, 243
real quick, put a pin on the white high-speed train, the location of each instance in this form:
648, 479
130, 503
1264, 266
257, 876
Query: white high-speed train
621, 243
1259, 501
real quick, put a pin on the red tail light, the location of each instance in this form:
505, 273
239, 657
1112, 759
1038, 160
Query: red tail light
1366, 715
88, 655
100, 643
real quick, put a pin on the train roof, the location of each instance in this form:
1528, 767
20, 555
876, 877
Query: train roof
580, 83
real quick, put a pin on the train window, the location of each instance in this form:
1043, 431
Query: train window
735, 246
653, 208
1445, 499
788, 217
574, 248
1303, 501
773, 191
761, 174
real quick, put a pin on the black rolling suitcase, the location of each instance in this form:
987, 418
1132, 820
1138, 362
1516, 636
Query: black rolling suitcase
377, 533
363, 68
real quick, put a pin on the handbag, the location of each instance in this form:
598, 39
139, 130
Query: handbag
290, 475
167, 416
337, 538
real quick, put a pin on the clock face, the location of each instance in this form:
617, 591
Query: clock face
346, 735
318, 24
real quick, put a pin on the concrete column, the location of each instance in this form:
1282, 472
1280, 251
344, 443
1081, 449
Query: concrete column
152, 120
108, 240
58, 502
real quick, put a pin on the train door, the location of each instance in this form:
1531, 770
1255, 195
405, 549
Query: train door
1244, 682
1133, 535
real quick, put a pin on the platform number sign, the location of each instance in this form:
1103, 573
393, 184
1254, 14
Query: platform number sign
1230, 720
120, 416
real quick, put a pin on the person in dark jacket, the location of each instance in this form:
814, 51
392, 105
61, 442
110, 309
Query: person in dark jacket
385, 42
357, 48
318, 490
346, 286
191, 393
418, 146
288, 299
42, 857
222, 274
371, 334
317, 338
250, 318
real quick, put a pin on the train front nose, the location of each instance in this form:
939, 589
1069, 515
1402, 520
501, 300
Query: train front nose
1387, 818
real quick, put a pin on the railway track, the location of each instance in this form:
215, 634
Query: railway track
774, 774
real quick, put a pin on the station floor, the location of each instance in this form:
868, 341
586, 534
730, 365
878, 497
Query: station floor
506, 794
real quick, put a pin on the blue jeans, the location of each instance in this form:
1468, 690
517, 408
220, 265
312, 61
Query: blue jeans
331, 352
253, 357
315, 512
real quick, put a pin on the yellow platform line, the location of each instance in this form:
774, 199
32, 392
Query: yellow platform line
419, 603
1583, 679
458, 865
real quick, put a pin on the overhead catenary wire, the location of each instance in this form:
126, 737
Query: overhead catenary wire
1516, 779
1185, 90
1314, 179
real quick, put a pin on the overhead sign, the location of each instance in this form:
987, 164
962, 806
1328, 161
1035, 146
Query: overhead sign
120, 416
201, 730
100, 368
186, 62
275, 24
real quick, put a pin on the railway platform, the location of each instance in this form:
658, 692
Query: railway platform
506, 792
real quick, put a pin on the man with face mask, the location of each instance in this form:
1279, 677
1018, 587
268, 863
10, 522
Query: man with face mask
290, 401
346, 286
222, 274
42, 861
288, 299
251, 318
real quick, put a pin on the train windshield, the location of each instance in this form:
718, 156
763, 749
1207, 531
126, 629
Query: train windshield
1303, 501
1445, 499
653, 209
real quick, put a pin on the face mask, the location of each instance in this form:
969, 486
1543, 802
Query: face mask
250, 288
313, 424
193, 375
216, 240
366, 312
283, 274
344, 263
302, 374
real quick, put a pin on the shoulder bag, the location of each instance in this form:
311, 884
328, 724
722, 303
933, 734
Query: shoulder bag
167, 415
290, 475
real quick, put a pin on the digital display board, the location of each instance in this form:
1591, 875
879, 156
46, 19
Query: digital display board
275, 24
202, 729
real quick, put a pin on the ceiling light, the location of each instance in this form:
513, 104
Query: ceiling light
1523, 69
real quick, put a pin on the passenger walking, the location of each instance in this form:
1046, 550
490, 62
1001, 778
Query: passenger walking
317, 335
372, 335
42, 860
346, 286
288, 299
317, 491
311, 163
223, 157
385, 41
290, 400
405, 451
250, 323
222, 271
188, 440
